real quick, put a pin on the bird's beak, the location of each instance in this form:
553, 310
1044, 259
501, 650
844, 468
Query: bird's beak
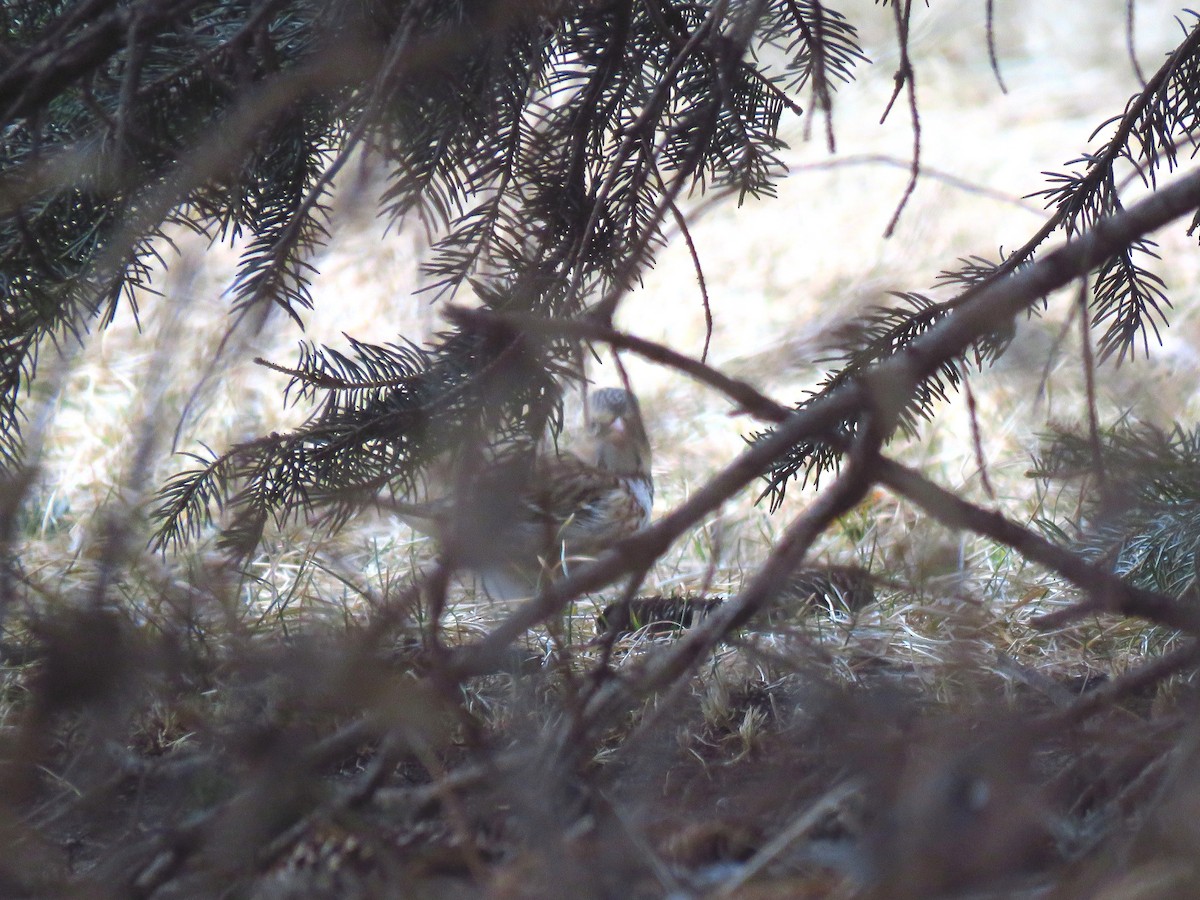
619, 429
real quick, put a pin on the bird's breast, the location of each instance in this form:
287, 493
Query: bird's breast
643, 492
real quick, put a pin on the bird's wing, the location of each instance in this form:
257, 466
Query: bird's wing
569, 502
583, 506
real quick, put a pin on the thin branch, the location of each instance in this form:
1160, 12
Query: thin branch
812, 815
1105, 160
991, 45
606, 306
1089, 380
1056, 346
948, 178
589, 329
704, 301
906, 77
976, 434
48, 69
1130, 44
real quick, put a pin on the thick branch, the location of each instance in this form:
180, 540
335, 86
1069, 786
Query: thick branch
842, 496
983, 308
1107, 592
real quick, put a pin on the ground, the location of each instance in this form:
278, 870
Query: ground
274, 736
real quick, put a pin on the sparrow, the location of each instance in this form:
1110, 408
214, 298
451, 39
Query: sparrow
521, 525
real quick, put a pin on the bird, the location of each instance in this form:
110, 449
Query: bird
519, 525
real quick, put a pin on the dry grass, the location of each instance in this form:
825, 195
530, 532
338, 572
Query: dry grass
698, 780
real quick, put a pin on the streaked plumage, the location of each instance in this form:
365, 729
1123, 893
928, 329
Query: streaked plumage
522, 527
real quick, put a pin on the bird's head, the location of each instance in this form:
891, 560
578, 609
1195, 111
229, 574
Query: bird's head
617, 432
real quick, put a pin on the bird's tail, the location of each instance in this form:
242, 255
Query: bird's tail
427, 518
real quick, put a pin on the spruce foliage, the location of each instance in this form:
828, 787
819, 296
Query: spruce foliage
544, 143
1127, 302
1139, 503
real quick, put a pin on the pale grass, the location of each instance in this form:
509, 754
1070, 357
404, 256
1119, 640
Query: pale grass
781, 274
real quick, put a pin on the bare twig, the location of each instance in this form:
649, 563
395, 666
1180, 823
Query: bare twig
681, 221
808, 819
948, 178
589, 329
906, 79
976, 434
1130, 45
991, 45
148, 866
1089, 380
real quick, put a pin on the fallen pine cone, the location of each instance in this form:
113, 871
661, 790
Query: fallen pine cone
656, 614
835, 588
843, 588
